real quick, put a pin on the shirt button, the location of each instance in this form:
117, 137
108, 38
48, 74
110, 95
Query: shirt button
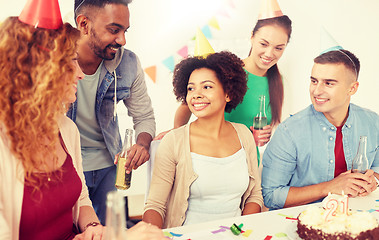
324, 129
349, 126
331, 138
331, 161
332, 128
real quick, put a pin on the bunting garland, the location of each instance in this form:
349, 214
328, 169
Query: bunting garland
152, 73
169, 62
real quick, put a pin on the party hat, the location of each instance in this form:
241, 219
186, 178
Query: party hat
42, 14
202, 47
269, 9
327, 42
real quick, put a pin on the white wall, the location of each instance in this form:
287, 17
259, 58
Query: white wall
160, 28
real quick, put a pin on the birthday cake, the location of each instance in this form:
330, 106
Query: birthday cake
335, 221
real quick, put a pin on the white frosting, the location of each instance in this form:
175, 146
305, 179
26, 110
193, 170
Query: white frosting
354, 223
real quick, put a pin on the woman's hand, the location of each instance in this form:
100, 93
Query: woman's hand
262, 137
144, 231
92, 233
161, 135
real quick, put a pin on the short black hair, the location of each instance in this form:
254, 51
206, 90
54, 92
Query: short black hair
345, 57
229, 71
80, 5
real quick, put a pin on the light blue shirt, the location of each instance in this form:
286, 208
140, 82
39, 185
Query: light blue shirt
301, 152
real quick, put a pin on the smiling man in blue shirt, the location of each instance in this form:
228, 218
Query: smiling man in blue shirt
311, 153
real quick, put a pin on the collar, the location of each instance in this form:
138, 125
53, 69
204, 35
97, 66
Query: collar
325, 123
111, 65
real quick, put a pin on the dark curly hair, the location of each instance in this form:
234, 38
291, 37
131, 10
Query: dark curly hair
229, 71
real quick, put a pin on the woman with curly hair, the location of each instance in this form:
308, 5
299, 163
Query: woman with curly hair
42, 189
43, 194
207, 169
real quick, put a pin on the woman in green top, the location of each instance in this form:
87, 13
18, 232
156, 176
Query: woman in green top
269, 39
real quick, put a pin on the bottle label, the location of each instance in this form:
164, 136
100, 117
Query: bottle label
259, 122
122, 178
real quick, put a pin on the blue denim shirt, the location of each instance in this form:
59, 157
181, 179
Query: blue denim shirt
301, 152
131, 88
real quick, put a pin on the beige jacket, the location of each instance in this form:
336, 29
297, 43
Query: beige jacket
173, 175
12, 181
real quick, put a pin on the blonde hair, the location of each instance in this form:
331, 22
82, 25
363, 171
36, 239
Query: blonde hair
36, 71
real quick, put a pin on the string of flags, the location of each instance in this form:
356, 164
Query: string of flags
269, 9
202, 46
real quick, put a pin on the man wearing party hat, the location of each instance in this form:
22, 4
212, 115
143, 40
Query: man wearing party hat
311, 153
103, 59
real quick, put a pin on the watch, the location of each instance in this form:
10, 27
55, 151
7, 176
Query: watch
91, 224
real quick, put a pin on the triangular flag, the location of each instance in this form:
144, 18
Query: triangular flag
327, 42
231, 4
202, 46
214, 23
152, 72
223, 12
183, 52
169, 63
42, 14
269, 9
207, 32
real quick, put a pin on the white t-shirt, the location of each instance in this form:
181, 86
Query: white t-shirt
218, 190
94, 151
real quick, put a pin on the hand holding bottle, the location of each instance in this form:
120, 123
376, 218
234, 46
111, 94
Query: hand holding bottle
260, 129
262, 136
371, 184
123, 178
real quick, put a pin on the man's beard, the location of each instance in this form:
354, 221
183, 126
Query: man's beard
101, 53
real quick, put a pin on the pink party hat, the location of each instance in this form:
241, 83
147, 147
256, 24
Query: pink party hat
202, 47
269, 9
327, 42
42, 14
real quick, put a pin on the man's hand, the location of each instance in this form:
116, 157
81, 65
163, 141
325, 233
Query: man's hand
353, 184
137, 155
371, 184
